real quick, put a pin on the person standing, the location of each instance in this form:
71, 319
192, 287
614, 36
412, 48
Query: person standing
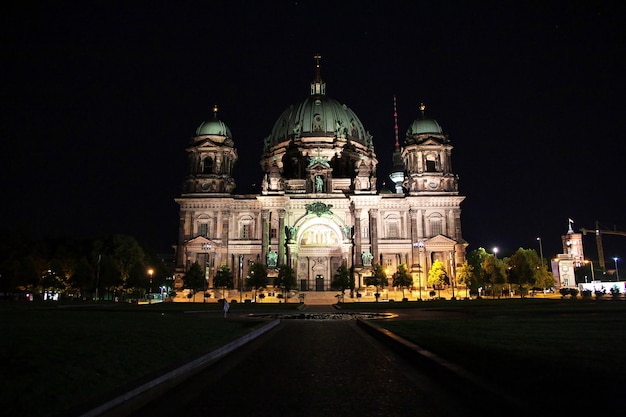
226, 307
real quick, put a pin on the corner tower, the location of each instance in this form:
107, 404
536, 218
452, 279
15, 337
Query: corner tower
212, 156
427, 158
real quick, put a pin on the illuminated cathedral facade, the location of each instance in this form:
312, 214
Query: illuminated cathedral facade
319, 206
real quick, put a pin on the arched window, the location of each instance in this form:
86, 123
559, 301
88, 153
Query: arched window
431, 163
246, 227
435, 226
392, 226
207, 165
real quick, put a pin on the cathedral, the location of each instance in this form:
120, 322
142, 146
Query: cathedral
319, 206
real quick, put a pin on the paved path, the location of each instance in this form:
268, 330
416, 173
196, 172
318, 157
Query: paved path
310, 368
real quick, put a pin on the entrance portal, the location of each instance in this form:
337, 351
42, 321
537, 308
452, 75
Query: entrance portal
319, 283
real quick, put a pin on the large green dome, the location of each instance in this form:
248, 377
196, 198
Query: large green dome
318, 115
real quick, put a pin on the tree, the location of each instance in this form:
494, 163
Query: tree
82, 279
341, 280
123, 251
437, 275
465, 276
257, 277
475, 259
109, 276
377, 279
286, 279
194, 278
53, 279
494, 273
522, 267
224, 278
402, 278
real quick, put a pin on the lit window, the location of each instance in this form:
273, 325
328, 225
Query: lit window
393, 231
435, 227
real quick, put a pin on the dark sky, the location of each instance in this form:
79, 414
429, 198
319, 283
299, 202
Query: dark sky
99, 102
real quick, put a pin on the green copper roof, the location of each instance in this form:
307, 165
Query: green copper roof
420, 126
214, 126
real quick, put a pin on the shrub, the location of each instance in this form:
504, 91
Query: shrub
615, 292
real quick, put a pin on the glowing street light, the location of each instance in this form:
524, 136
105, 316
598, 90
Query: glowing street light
540, 250
150, 272
593, 277
495, 252
616, 270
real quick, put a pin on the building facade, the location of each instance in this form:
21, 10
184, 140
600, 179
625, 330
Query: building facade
319, 206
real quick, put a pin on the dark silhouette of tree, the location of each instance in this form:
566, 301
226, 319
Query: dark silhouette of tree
257, 277
494, 272
521, 269
377, 279
402, 278
224, 278
83, 278
194, 278
341, 280
53, 279
286, 279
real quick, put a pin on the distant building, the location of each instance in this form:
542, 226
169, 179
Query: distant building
319, 206
565, 264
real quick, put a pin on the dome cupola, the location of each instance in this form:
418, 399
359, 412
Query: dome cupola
212, 156
318, 130
213, 126
423, 125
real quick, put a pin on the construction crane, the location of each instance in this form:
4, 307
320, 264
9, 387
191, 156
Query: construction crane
599, 232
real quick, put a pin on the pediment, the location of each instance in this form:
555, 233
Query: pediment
431, 141
197, 241
439, 241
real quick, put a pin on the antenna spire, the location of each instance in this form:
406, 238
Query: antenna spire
318, 87
395, 119
318, 74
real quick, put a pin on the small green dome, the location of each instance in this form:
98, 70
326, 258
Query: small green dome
214, 127
421, 126
424, 125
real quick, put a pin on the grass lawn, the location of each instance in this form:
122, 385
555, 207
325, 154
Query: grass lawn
57, 356
541, 350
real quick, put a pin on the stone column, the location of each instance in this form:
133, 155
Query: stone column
265, 234
374, 234
356, 214
281, 237
180, 249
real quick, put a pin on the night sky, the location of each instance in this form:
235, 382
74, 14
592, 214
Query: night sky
99, 102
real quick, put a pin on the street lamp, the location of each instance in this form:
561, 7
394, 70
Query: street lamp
150, 272
495, 252
616, 270
540, 250
593, 277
